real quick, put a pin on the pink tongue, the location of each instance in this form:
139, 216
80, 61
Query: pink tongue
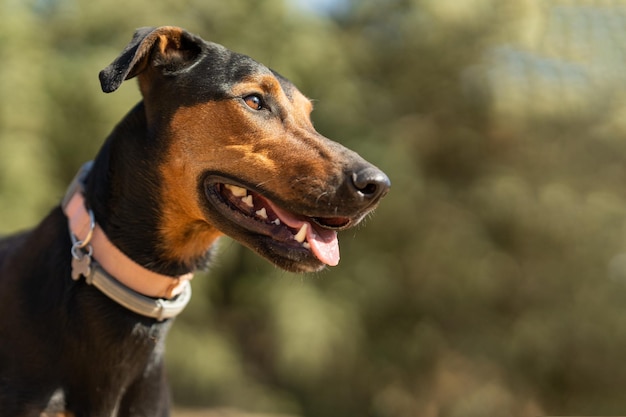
323, 242
324, 245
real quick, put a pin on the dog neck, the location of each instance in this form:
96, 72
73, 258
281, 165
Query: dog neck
138, 286
124, 190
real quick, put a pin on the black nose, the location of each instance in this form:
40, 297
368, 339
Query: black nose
370, 183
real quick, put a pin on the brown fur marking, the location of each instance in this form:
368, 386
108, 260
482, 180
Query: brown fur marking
279, 154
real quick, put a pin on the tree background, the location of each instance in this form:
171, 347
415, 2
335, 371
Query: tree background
492, 279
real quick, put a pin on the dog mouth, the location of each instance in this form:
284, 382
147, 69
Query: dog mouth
297, 237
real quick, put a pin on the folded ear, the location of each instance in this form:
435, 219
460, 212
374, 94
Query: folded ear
167, 47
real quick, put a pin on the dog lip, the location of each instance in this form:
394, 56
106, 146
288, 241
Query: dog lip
247, 220
253, 216
246, 214
333, 223
273, 241
328, 222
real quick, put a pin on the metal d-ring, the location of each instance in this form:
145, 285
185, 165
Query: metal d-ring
80, 248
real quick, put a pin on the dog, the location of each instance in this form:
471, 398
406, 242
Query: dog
219, 145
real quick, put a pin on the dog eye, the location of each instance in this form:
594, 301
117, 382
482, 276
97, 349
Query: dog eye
254, 101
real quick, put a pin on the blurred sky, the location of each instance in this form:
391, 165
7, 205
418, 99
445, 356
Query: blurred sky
320, 6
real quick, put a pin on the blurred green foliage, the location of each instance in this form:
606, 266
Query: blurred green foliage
492, 279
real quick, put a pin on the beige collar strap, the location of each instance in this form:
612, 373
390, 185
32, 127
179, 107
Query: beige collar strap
141, 290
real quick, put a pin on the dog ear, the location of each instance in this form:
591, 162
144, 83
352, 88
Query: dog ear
167, 47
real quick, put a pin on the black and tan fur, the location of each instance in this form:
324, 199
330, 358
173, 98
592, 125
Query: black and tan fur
208, 117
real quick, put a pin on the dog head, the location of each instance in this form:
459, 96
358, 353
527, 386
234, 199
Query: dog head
241, 156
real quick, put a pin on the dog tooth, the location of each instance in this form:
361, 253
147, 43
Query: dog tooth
301, 235
262, 213
247, 200
306, 245
236, 191
276, 222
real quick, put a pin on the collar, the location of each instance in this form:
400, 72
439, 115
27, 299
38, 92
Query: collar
107, 268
